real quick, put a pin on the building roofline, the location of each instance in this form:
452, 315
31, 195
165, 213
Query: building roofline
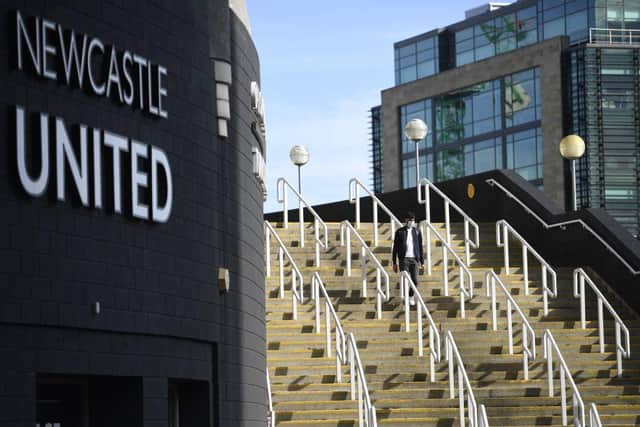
505, 10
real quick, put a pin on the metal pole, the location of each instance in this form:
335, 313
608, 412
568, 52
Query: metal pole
573, 185
299, 181
417, 163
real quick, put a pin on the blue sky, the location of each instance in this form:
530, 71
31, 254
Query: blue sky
323, 64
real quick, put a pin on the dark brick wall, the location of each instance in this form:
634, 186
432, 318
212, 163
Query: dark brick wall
162, 316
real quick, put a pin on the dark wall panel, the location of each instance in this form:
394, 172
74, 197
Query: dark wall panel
156, 283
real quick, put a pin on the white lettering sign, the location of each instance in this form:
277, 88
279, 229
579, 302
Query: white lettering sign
44, 45
73, 155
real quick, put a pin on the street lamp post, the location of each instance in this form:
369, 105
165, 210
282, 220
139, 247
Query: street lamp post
572, 148
299, 156
415, 130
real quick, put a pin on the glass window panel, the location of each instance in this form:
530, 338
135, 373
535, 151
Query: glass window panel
426, 69
450, 164
407, 74
408, 61
426, 44
527, 13
464, 34
554, 28
577, 22
552, 14
464, 58
505, 45
552, 3
407, 50
484, 52
464, 45
575, 5
426, 55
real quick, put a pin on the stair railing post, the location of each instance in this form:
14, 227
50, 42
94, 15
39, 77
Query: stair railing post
505, 238
462, 292
510, 326
357, 207
445, 271
461, 397
545, 290
600, 324
404, 280
447, 223
352, 370
327, 326
375, 223
451, 371
348, 252
314, 285
525, 267
294, 291
467, 255
420, 331
494, 316
316, 233
427, 215
525, 351
363, 270
301, 219
378, 296
360, 403
285, 211
618, 347
281, 263
563, 396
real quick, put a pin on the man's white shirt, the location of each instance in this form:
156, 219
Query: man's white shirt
409, 253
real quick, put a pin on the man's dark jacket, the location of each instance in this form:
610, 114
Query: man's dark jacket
400, 245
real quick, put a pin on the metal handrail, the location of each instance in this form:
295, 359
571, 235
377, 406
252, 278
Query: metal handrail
612, 35
406, 283
549, 345
354, 198
271, 414
365, 252
579, 277
317, 221
528, 334
366, 411
317, 291
426, 201
502, 241
563, 224
296, 275
464, 272
594, 416
477, 415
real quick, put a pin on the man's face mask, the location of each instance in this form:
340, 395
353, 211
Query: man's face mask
411, 223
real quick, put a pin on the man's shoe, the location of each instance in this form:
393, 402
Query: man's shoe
412, 300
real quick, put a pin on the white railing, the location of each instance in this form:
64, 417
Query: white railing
366, 411
271, 415
623, 347
503, 230
354, 198
550, 346
406, 284
477, 415
346, 230
594, 416
297, 281
319, 291
614, 36
564, 224
528, 334
317, 221
465, 277
448, 204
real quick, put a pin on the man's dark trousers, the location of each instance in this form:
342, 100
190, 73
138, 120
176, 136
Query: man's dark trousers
410, 265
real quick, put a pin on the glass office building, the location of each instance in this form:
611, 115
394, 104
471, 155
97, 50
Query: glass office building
498, 123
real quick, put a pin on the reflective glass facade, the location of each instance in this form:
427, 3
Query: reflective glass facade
416, 59
521, 24
376, 148
475, 128
606, 113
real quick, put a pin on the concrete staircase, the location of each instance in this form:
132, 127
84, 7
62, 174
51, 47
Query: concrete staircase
304, 390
